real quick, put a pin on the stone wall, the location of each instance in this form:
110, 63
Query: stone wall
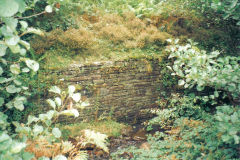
117, 89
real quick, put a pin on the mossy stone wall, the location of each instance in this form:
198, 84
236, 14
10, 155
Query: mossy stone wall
119, 89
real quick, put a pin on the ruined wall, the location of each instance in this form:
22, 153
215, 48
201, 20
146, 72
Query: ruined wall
117, 89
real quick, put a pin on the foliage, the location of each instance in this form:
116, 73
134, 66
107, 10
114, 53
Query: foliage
228, 8
191, 132
200, 70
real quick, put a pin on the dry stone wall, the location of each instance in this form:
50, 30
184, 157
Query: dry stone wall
119, 89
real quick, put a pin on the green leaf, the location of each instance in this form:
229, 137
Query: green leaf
76, 97
56, 132
25, 44
51, 103
71, 89
43, 158
28, 156
25, 70
234, 117
12, 41
60, 157
32, 64
48, 9
37, 129
17, 147
55, 89
58, 101
181, 82
15, 69
18, 104
11, 23
12, 89
32, 119
3, 49
50, 114
1, 71
15, 49
1, 101
8, 8
5, 141
71, 112
22, 5
24, 24
34, 31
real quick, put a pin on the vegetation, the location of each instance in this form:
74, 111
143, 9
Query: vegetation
200, 120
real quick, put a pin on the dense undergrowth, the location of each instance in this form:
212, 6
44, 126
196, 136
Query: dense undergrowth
200, 122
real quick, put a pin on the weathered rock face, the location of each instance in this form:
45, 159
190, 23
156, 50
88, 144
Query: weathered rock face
115, 89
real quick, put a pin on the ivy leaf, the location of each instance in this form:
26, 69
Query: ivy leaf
15, 69
76, 97
8, 8
56, 132
48, 9
3, 49
1, 101
55, 89
32, 64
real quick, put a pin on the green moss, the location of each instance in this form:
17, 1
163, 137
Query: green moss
109, 127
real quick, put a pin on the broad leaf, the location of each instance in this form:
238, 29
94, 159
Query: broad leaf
17, 147
1, 101
76, 97
58, 101
12, 41
37, 129
51, 103
11, 23
32, 64
32, 119
3, 49
8, 8
71, 112
48, 9
56, 132
12, 89
15, 69
22, 5
60, 157
55, 89
71, 89
1, 71
18, 104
